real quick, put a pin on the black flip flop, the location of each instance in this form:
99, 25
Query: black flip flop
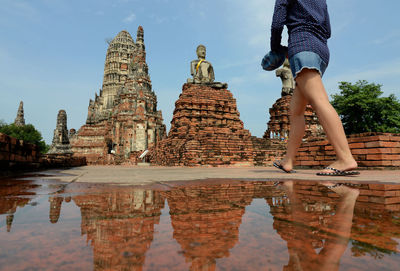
351, 185
337, 172
281, 168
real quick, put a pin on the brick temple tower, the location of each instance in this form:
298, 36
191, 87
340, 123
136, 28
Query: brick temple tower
123, 119
20, 120
120, 53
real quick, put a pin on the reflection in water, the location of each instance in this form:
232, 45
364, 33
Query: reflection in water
55, 208
14, 195
322, 226
303, 235
206, 220
120, 226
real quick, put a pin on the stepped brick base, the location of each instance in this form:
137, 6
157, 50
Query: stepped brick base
369, 149
205, 130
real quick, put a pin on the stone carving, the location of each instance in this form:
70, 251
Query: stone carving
20, 120
202, 70
60, 144
288, 83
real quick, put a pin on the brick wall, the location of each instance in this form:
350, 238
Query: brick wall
371, 150
16, 153
19, 155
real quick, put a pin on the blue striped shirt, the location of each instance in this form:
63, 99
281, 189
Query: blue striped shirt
308, 26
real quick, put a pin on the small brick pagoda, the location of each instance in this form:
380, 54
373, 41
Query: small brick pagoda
279, 126
61, 144
123, 119
205, 130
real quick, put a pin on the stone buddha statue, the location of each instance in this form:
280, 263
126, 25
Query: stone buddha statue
202, 70
286, 76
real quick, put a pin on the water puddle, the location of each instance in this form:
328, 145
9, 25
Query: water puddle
203, 225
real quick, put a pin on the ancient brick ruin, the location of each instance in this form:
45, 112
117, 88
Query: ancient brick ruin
20, 120
206, 130
60, 144
279, 126
123, 119
18, 155
371, 150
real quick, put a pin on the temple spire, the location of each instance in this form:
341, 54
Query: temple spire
20, 120
139, 36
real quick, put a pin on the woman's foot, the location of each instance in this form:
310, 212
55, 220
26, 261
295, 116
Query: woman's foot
284, 165
340, 168
342, 190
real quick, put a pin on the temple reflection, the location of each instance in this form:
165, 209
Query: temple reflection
13, 195
55, 208
206, 219
318, 222
120, 226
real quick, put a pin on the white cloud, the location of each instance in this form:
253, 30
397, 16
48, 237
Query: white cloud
130, 18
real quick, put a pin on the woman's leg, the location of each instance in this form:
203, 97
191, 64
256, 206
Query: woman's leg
298, 105
310, 84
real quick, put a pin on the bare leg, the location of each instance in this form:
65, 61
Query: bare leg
310, 89
341, 227
298, 105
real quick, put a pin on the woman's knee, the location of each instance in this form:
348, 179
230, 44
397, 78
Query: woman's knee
312, 88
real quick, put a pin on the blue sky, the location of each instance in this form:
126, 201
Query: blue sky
52, 52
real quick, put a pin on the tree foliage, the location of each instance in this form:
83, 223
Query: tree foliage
27, 133
363, 110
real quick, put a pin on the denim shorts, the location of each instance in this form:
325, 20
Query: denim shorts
306, 60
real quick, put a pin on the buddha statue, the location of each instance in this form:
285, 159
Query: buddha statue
202, 70
286, 76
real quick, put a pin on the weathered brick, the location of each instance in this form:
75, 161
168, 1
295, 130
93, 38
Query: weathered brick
378, 144
395, 150
310, 163
360, 151
395, 138
356, 145
379, 150
378, 163
396, 163
383, 157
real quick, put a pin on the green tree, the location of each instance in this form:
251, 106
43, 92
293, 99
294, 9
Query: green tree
362, 109
27, 133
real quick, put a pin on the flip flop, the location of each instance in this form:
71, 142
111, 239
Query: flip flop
281, 168
337, 172
352, 185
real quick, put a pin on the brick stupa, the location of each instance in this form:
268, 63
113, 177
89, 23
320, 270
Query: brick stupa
205, 130
279, 126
